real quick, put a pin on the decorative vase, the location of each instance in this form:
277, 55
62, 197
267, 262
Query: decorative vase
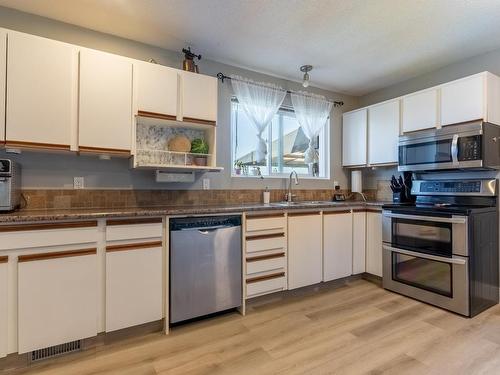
200, 161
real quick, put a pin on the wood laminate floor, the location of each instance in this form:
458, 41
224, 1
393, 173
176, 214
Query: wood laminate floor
357, 328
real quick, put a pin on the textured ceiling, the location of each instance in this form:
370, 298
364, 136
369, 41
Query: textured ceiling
355, 46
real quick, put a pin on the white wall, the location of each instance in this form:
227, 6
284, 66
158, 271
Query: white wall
41, 170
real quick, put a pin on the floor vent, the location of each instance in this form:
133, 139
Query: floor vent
54, 351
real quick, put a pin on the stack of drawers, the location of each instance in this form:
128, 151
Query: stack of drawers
265, 254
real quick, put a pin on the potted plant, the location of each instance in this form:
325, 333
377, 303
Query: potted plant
238, 164
200, 148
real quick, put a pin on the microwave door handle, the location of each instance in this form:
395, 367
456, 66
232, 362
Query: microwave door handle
437, 219
454, 149
425, 256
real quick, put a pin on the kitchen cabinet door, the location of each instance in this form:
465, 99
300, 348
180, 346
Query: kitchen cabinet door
157, 89
383, 133
337, 245
199, 98
134, 284
374, 243
354, 132
463, 100
3, 306
57, 298
304, 250
42, 81
105, 121
358, 242
420, 110
3, 80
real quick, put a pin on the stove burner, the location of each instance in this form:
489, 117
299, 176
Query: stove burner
442, 204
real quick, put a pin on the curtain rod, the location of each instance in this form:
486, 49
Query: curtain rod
222, 77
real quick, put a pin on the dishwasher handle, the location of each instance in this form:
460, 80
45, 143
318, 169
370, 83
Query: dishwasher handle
206, 230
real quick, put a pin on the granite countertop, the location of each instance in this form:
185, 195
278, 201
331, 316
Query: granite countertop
98, 213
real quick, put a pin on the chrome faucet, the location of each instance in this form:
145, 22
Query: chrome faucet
289, 196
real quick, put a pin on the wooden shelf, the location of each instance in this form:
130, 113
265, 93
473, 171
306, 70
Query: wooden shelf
185, 157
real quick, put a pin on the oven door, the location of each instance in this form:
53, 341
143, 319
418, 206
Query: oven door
440, 281
435, 235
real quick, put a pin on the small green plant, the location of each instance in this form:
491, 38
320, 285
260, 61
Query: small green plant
238, 164
199, 146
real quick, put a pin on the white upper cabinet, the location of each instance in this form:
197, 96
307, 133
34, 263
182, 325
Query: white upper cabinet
471, 98
105, 121
383, 133
41, 92
157, 89
199, 97
420, 110
354, 138
3, 79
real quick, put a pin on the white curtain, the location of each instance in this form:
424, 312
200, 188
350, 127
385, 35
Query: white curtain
312, 112
260, 101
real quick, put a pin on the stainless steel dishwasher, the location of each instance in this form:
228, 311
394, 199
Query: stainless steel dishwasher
205, 266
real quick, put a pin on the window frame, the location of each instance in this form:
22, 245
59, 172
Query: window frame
324, 149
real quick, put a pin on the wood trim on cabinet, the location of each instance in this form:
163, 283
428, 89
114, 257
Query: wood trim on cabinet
338, 212
4, 259
378, 211
265, 216
37, 145
199, 121
265, 277
265, 257
45, 226
103, 150
134, 246
308, 213
155, 220
160, 116
359, 210
265, 236
56, 255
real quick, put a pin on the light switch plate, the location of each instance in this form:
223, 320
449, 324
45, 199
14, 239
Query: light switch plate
206, 184
78, 183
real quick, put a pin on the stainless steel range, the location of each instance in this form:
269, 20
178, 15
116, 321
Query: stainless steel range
444, 249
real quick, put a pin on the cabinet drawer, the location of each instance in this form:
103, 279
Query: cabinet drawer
266, 284
265, 242
272, 221
118, 230
265, 263
24, 236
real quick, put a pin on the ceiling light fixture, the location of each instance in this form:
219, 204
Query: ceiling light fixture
306, 69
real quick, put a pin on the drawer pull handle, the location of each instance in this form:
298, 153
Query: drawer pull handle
336, 212
308, 213
56, 255
265, 257
265, 277
4, 259
265, 236
133, 246
134, 221
265, 216
31, 227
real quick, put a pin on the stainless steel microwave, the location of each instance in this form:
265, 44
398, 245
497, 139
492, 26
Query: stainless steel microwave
462, 146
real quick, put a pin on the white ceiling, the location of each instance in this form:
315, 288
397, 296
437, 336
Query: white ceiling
356, 46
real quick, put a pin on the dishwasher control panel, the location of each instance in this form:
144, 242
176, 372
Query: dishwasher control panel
204, 222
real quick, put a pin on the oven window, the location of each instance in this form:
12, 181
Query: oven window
422, 273
426, 153
427, 236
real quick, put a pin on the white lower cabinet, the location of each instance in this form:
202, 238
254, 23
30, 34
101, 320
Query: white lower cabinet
358, 242
337, 244
374, 243
305, 266
134, 284
57, 297
3, 306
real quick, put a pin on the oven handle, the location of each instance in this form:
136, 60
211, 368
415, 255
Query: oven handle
437, 219
426, 256
454, 149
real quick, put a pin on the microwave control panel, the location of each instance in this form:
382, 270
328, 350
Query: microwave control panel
469, 148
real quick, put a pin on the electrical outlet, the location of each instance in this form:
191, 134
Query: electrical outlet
78, 182
206, 184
